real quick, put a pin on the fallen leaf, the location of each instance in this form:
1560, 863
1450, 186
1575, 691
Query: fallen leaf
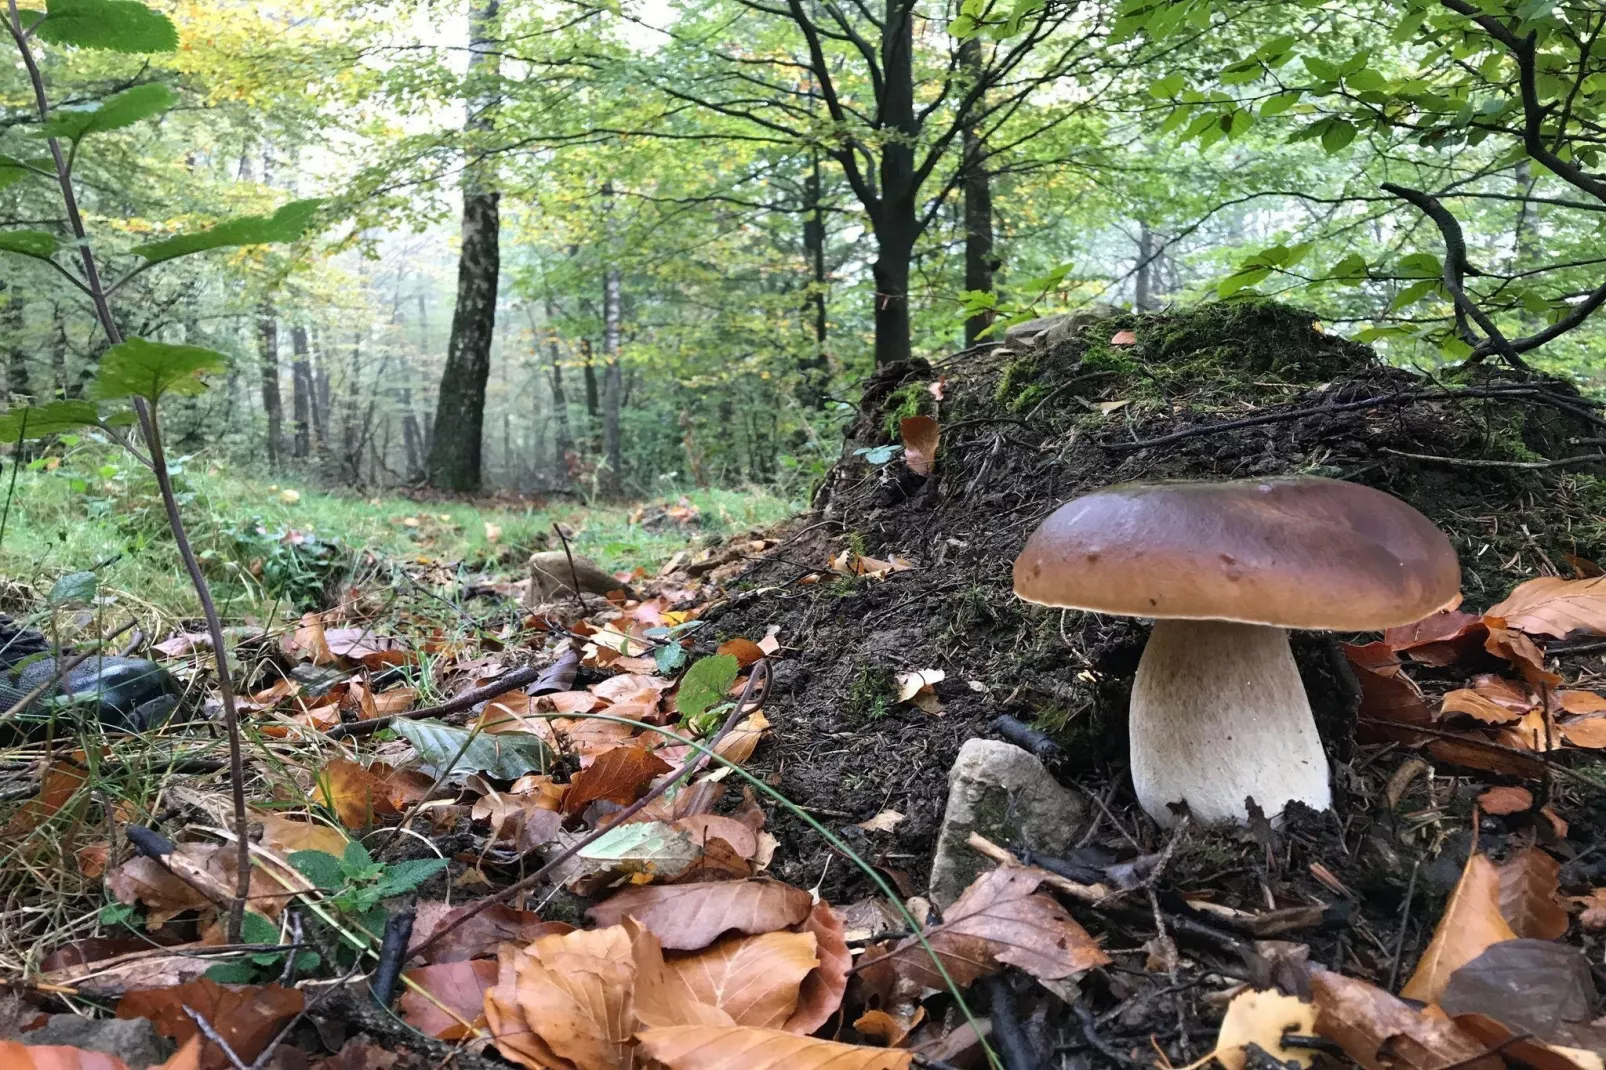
651, 849
147, 882
496, 924
999, 920
743, 739
745, 651
734, 1047
621, 775
458, 987
358, 795
821, 993
1534, 986
702, 828
920, 438
1579, 702
15, 1056
1124, 338
1387, 694
688, 917
889, 1028
1382, 1032
284, 836
1530, 895
1467, 701
1551, 605
754, 979
247, 1017
309, 639
1470, 923
1264, 1018
1502, 801
885, 821
1518, 649
1525, 1051
567, 998
912, 683
1593, 917
92, 858
59, 786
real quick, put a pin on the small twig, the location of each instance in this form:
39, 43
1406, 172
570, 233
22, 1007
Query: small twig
574, 573
752, 695
1092, 894
1405, 924
1478, 462
1590, 647
508, 681
1025, 736
214, 1036
1537, 759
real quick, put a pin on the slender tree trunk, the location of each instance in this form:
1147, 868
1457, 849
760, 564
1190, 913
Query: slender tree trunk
896, 221
318, 370
301, 384
612, 382
455, 455
1143, 283
814, 369
593, 402
17, 384
980, 263
58, 353
562, 444
268, 363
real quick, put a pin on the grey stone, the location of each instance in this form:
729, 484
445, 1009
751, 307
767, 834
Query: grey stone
133, 1040
1023, 333
1004, 793
1071, 326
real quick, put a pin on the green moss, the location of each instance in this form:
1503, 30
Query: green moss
1020, 373
910, 399
1028, 397
870, 693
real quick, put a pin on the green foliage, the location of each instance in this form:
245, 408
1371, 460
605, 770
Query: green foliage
137, 368
464, 752
114, 113
299, 567
114, 25
42, 421
704, 687
287, 224
357, 883
39, 244
74, 587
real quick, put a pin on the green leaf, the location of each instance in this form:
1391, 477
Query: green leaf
1366, 80
669, 657
504, 755
287, 224
39, 244
114, 113
705, 684
1320, 69
1338, 134
405, 876
113, 25
1241, 73
1280, 103
1454, 348
256, 929
13, 170
356, 860
1413, 293
319, 867
1167, 87
51, 418
1241, 280
238, 972
1421, 266
77, 587
1352, 268
137, 368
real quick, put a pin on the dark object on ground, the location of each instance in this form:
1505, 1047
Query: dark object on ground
122, 694
1024, 735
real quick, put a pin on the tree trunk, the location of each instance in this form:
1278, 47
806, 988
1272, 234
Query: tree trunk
593, 404
562, 444
301, 383
455, 455
268, 363
58, 353
612, 382
17, 385
1143, 284
814, 370
896, 222
980, 263
318, 370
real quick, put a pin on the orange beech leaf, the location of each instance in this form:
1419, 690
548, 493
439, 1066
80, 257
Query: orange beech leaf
742, 740
1587, 732
1382, 1032
631, 688
1517, 648
358, 795
687, 917
573, 994
246, 1016
1580, 702
1530, 895
734, 1047
1504, 801
60, 784
621, 775
1467, 701
921, 436
1387, 694
891, 1029
282, 835
1445, 638
745, 651
146, 881
569, 702
309, 639
1471, 922
458, 987
1551, 605
705, 827
188, 1057
822, 990
754, 979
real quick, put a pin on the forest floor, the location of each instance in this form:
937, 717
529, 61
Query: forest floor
782, 895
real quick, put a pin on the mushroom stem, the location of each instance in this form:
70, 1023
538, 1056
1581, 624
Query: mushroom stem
1219, 714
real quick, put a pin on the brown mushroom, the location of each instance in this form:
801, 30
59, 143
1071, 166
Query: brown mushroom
1218, 712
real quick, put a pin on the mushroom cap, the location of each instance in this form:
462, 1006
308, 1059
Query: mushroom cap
1294, 552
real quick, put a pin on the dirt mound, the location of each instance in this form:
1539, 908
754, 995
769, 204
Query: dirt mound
1226, 391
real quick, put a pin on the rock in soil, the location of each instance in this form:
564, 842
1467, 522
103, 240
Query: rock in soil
1004, 793
133, 1040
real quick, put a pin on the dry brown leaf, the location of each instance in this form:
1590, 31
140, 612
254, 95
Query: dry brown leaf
1470, 923
629, 689
1579, 702
621, 775
1124, 338
1445, 638
1517, 648
688, 917
704, 828
309, 639
573, 995
1264, 1018
15, 1056
1551, 605
92, 858
1387, 694
61, 783
1587, 732
496, 924
1593, 916
459, 988
282, 836
921, 436
358, 795
1467, 701
891, 1029
885, 821
745, 651
822, 990
1000, 920
742, 740
734, 1047
1530, 895
754, 979
1502, 801
146, 881
1526, 1052
247, 1017
1382, 1032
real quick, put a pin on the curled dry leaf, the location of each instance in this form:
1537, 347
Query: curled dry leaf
59, 787
891, 1029
1474, 705
921, 436
1586, 732
1382, 1032
1593, 915
1536, 986
1444, 638
147, 882
245, 1016
1551, 605
704, 828
358, 795
282, 835
1264, 1018
1388, 696
1124, 338
1517, 648
745, 651
885, 821
1502, 801
1530, 895
1579, 702
496, 924
821, 993
754, 979
449, 1002
999, 920
687, 917
1471, 922
620, 775
734, 1047
1526, 1052
308, 639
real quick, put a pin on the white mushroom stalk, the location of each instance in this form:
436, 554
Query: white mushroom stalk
1219, 716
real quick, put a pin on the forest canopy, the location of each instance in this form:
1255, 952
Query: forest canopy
624, 248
